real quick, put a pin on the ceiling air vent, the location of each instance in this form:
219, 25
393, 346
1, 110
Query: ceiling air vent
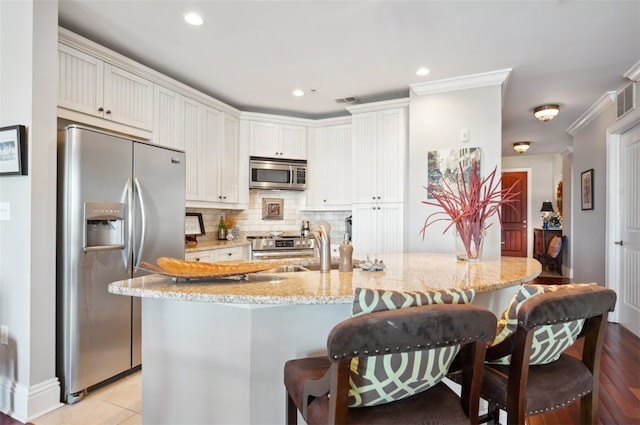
350, 100
625, 100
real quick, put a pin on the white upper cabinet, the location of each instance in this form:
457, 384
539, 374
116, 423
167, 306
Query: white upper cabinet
329, 186
212, 147
168, 122
277, 140
90, 86
379, 148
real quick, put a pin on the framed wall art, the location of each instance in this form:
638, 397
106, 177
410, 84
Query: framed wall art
272, 208
443, 165
13, 150
193, 224
586, 189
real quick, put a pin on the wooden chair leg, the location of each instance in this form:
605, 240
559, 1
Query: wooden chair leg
292, 411
589, 410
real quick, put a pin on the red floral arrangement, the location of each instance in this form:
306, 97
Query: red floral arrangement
468, 205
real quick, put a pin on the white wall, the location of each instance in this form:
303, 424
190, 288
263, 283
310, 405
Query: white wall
588, 227
28, 96
435, 122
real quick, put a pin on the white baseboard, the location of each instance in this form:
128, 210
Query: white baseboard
26, 403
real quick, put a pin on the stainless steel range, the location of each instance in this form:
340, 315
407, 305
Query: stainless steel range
269, 247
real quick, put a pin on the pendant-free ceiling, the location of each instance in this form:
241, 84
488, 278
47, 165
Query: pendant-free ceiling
546, 113
521, 147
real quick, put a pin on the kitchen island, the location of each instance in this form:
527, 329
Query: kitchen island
213, 352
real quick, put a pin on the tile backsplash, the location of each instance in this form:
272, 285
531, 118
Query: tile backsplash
250, 221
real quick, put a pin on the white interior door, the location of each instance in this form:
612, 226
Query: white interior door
629, 242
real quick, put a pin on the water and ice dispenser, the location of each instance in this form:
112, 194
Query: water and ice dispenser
104, 226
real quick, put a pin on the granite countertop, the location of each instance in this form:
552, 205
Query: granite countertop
404, 272
216, 244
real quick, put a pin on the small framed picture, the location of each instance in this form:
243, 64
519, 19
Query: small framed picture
586, 189
13, 150
193, 225
272, 208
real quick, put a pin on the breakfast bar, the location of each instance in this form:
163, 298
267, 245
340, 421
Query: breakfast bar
213, 351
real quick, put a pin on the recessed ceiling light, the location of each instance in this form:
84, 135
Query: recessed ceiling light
422, 72
298, 93
193, 18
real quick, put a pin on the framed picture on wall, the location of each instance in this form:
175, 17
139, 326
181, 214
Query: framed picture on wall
586, 189
13, 150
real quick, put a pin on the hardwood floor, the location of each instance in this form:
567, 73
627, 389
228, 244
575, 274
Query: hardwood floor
619, 385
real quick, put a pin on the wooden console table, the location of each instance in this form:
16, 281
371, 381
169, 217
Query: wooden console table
541, 239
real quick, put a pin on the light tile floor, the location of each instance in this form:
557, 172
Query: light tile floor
119, 403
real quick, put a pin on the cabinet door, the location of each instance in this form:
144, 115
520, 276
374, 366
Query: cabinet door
208, 162
365, 160
390, 149
330, 168
128, 98
230, 161
390, 228
293, 142
80, 78
365, 230
168, 118
377, 229
192, 113
264, 139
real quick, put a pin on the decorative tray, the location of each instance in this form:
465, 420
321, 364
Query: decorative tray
182, 269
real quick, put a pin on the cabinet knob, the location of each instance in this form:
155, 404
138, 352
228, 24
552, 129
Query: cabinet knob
108, 111
101, 109
378, 197
619, 243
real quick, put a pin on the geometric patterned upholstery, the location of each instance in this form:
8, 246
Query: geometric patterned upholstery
381, 379
549, 341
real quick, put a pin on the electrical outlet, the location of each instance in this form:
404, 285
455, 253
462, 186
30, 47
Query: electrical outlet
4, 334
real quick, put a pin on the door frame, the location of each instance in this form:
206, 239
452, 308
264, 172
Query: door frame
613, 261
529, 214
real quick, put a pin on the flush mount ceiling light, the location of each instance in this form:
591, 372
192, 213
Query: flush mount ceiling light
193, 18
521, 147
546, 113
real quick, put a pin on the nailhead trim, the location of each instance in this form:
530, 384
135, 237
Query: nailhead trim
408, 348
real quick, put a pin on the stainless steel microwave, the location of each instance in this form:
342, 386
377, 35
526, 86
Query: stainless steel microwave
269, 173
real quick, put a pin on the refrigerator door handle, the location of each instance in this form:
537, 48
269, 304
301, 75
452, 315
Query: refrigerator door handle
143, 217
128, 189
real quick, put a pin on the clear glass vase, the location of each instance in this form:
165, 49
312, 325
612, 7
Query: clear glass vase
469, 239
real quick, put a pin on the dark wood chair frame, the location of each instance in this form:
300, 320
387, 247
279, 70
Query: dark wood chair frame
402, 330
591, 303
546, 260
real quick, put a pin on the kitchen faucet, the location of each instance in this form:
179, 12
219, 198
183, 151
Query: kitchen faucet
324, 248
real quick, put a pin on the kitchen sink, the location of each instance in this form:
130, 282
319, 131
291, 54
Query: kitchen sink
296, 268
287, 269
316, 267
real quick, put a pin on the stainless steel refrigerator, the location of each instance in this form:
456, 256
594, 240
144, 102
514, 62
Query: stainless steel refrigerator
120, 202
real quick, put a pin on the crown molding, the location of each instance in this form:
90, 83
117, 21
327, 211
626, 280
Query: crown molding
634, 73
605, 101
378, 106
492, 78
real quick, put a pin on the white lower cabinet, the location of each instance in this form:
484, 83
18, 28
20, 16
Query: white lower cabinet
219, 254
377, 229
